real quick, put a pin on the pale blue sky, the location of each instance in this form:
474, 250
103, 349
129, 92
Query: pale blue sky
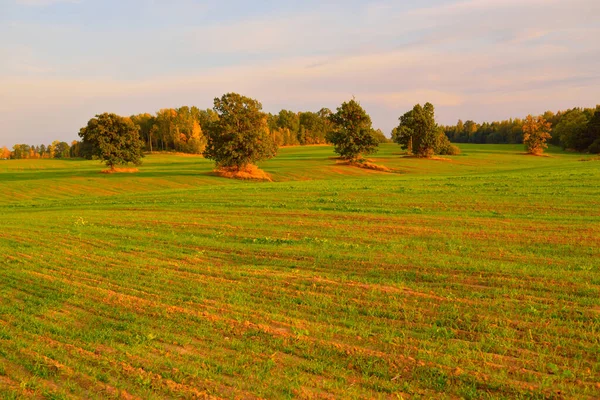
63, 61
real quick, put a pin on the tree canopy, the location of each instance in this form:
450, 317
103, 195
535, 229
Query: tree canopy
593, 133
61, 149
418, 132
571, 129
536, 132
352, 132
240, 136
184, 129
113, 139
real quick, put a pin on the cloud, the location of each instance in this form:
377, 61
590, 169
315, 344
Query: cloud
473, 59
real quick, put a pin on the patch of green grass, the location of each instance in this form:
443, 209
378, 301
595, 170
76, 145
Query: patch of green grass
474, 278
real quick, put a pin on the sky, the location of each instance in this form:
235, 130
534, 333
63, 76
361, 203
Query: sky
64, 61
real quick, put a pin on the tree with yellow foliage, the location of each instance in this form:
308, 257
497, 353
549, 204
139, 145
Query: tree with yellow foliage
536, 131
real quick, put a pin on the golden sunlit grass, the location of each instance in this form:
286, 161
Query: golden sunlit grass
434, 158
121, 170
370, 165
249, 172
536, 154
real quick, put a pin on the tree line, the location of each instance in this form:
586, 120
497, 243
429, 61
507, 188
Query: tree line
236, 133
185, 129
575, 129
57, 149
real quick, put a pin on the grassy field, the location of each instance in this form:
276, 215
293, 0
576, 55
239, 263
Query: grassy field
477, 277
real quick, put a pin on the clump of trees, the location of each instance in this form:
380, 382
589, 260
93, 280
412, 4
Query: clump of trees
419, 134
57, 149
184, 129
174, 129
113, 139
240, 136
592, 133
579, 130
574, 129
290, 128
352, 133
380, 137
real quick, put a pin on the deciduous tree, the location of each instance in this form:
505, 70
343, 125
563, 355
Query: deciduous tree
418, 131
404, 133
593, 133
380, 136
145, 122
21, 151
240, 136
571, 129
61, 149
351, 131
536, 132
288, 120
314, 126
113, 139
165, 128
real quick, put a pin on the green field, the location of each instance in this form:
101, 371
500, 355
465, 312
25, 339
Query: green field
477, 277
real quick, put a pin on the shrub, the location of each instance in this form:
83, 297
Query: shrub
595, 147
444, 147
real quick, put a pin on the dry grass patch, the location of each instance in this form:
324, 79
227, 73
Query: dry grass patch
536, 154
120, 171
249, 172
365, 164
371, 166
434, 158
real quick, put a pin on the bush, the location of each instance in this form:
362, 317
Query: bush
595, 147
451, 150
444, 147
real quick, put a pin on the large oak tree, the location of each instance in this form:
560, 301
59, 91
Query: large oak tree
240, 136
113, 139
